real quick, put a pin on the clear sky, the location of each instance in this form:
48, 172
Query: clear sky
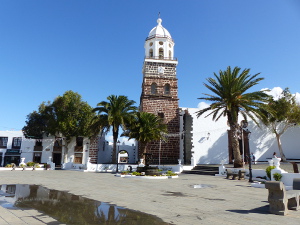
96, 47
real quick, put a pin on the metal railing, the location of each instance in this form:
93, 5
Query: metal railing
161, 58
159, 36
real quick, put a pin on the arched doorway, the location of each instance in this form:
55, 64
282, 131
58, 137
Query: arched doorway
123, 156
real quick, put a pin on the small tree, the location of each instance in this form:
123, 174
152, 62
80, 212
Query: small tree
282, 114
67, 116
36, 125
146, 127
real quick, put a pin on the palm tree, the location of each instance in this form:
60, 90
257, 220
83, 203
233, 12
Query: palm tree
115, 112
146, 127
230, 99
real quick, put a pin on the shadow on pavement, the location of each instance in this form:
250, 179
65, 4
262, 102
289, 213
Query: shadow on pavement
259, 210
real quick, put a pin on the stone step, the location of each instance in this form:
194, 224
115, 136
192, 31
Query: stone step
203, 170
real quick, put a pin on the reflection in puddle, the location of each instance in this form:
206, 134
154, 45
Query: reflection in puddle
68, 208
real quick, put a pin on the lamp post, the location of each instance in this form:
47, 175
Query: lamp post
117, 170
250, 159
243, 126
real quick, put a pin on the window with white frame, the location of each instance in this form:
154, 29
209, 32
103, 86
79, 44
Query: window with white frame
3, 142
17, 141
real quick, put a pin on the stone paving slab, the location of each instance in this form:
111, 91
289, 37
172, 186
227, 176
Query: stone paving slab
173, 200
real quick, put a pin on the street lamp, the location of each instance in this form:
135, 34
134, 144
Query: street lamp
250, 160
117, 170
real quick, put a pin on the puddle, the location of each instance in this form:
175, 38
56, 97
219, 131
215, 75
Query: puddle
68, 208
203, 186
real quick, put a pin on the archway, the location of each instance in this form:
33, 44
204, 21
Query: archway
123, 156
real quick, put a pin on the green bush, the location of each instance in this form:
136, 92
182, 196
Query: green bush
30, 164
8, 165
277, 176
136, 173
268, 171
171, 173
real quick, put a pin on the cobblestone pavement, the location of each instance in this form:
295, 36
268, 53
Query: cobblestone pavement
176, 201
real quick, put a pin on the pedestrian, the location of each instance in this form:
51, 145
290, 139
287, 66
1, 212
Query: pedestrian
274, 155
253, 158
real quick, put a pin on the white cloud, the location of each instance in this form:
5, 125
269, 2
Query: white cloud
275, 92
203, 105
123, 140
297, 96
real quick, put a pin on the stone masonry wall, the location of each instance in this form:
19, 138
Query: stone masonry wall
93, 150
168, 152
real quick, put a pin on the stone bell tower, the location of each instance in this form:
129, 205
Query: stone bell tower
160, 92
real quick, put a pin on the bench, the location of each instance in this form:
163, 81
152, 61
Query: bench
281, 200
231, 174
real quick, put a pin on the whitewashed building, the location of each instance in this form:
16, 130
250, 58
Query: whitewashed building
206, 141
14, 146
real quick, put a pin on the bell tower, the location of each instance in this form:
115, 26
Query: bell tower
160, 92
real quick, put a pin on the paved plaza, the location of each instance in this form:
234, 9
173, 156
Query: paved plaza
176, 201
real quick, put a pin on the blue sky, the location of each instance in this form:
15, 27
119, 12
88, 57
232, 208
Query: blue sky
96, 47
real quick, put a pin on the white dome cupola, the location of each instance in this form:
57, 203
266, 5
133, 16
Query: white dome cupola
159, 43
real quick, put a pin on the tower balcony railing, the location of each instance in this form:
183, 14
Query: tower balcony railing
161, 58
159, 36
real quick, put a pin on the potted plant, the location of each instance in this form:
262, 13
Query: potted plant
277, 176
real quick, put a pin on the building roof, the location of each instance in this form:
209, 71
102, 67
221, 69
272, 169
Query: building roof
159, 30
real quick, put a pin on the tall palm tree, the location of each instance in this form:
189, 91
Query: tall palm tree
230, 99
114, 113
146, 127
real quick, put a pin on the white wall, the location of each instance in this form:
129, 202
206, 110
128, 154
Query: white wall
27, 147
105, 151
214, 150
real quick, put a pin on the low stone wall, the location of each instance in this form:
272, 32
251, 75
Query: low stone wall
124, 167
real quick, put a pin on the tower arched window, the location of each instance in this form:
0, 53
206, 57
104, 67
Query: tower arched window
161, 115
161, 53
170, 54
151, 53
167, 89
153, 88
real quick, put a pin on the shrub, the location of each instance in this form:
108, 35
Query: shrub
268, 171
136, 173
171, 173
8, 165
30, 164
277, 176
37, 165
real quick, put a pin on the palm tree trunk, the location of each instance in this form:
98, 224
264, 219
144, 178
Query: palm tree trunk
283, 158
235, 145
115, 139
144, 152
